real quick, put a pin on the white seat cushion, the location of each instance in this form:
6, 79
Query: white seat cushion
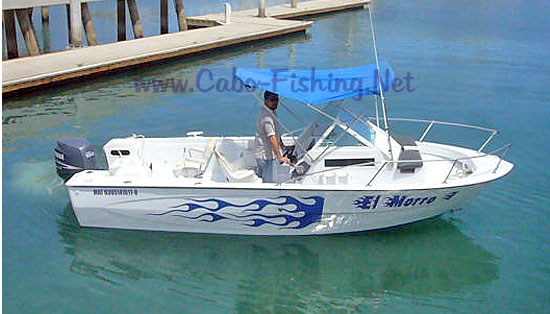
234, 172
192, 166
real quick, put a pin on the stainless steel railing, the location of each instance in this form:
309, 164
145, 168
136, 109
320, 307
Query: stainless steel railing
504, 149
431, 123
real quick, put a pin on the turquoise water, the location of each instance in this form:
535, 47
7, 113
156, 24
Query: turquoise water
476, 62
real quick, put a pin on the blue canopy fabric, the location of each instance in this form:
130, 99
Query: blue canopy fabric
320, 86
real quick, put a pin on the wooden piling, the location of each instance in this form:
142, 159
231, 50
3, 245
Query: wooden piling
121, 19
76, 22
180, 12
293, 3
11, 38
68, 10
28, 33
227, 13
45, 14
46, 35
134, 17
163, 16
88, 25
30, 11
261, 8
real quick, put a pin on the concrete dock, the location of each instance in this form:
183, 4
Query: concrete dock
244, 26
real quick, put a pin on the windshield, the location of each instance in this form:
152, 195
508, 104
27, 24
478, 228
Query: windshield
357, 124
315, 130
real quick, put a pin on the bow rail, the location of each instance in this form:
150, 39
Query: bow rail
504, 149
431, 123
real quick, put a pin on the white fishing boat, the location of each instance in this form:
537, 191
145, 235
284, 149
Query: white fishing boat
349, 172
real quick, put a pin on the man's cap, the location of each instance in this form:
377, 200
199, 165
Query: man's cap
270, 94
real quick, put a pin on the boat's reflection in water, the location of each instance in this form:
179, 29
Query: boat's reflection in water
285, 272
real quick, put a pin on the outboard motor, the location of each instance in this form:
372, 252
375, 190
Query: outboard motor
73, 155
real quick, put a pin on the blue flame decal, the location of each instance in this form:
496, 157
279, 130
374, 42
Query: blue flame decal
289, 210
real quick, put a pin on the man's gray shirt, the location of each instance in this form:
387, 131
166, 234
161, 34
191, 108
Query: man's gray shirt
266, 126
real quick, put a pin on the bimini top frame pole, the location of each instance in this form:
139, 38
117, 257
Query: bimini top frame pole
384, 110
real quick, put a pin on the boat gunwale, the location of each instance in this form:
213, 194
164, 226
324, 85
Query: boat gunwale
286, 187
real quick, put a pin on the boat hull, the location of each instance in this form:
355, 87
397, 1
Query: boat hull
260, 211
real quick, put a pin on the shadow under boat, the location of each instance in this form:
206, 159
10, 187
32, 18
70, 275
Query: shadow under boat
419, 259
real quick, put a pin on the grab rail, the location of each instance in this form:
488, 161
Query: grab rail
450, 171
504, 148
377, 172
426, 131
431, 123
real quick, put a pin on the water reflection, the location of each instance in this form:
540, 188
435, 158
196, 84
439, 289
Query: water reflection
285, 273
292, 56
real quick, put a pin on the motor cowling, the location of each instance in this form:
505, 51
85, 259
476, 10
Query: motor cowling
73, 155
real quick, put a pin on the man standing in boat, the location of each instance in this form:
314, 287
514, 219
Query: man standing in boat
268, 141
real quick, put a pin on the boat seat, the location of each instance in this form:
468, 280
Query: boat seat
409, 158
236, 172
415, 160
191, 166
248, 157
404, 140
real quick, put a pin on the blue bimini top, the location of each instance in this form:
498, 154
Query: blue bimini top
320, 86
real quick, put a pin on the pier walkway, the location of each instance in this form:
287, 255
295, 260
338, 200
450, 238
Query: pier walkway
42, 70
